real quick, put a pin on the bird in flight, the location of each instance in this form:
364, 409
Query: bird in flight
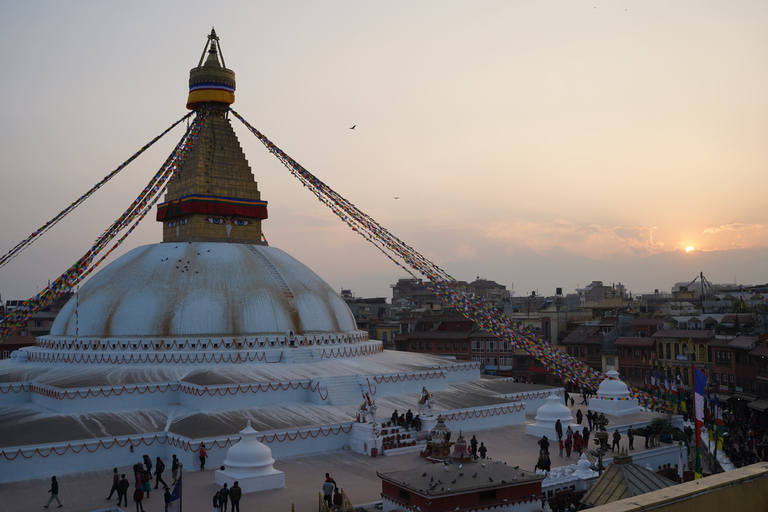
353, 127
397, 197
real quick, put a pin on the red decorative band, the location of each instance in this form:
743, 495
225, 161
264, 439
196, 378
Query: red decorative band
215, 205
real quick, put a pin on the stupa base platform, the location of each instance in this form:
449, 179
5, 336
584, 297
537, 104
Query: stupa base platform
623, 407
274, 479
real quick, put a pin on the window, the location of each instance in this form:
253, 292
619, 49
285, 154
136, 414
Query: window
637, 354
429, 345
730, 379
610, 361
677, 350
463, 345
455, 345
477, 345
413, 345
491, 346
421, 345
439, 345
384, 336
5, 354
669, 351
405, 496
486, 495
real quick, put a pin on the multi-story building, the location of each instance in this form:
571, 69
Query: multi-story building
678, 349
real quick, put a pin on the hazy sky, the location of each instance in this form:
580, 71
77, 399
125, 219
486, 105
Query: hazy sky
535, 143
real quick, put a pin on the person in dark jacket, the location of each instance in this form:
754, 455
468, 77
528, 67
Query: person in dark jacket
54, 493
224, 497
115, 481
122, 490
217, 501
138, 497
235, 493
159, 468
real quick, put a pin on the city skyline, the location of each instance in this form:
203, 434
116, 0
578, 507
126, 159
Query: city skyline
539, 145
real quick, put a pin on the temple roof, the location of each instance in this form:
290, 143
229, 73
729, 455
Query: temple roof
624, 479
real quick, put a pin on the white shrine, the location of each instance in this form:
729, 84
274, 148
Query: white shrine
250, 463
613, 397
547, 416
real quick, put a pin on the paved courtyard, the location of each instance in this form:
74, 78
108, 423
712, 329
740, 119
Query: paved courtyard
304, 475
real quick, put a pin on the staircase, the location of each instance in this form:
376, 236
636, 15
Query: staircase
342, 390
276, 276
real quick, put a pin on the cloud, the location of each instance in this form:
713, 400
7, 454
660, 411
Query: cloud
590, 240
736, 236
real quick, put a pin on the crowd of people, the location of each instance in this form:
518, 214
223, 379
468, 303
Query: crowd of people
407, 420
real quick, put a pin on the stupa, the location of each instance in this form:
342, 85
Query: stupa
547, 416
182, 342
613, 397
250, 463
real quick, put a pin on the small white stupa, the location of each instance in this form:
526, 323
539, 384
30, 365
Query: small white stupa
546, 417
249, 462
613, 397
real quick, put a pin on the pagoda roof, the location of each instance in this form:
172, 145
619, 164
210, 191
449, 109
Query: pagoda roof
624, 479
611, 303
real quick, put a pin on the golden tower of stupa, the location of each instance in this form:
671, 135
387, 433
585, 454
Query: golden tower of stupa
214, 197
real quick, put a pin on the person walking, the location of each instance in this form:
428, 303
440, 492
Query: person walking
224, 497
146, 482
631, 438
482, 450
473, 445
122, 490
217, 501
543, 445
590, 417
579, 416
159, 468
148, 463
559, 429
235, 493
115, 481
568, 446
54, 490
203, 455
175, 469
328, 487
138, 497
167, 498
616, 440
561, 445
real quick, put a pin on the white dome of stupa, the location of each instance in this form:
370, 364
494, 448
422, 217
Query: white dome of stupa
554, 410
612, 386
204, 290
249, 455
250, 463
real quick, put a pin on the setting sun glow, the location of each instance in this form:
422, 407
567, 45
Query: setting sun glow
688, 249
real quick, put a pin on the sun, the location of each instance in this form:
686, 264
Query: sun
688, 249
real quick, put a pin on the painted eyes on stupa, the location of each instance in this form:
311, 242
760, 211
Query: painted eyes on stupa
240, 222
215, 220
172, 224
